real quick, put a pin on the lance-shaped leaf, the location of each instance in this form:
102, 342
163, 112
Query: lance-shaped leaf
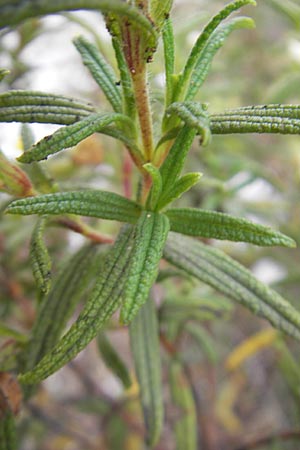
34, 106
194, 115
215, 42
69, 136
156, 185
144, 341
211, 224
283, 119
218, 270
182, 398
169, 47
100, 204
58, 306
173, 164
113, 360
204, 38
183, 184
102, 303
150, 235
14, 12
39, 257
101, 71
3, 73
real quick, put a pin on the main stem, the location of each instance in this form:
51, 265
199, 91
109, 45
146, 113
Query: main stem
139, 81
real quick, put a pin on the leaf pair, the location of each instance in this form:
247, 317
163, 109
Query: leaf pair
125, 277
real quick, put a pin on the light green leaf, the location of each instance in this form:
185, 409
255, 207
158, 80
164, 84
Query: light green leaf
183, 184
150, 235
101, 204
39, 257
113, 360
173, 164
211, 224
12, 13
204, 38
156, 185
215, 42
102, 303
183, 400
144, 342
101, 71
169, 47
195, 116
3, 73
34, 106
69, 136
58, 306
283, 119
213, 267
159, 11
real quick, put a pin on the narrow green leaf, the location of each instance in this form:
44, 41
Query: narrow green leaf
3, 73
113, 360
283, 119
8, 432
34, 106
173, 164
169, 47
159, 12
218, 270
58, 306
204, 340
144, 341
150, 235
183, 184
69, 136
10, 332
204, 38
101, 204
14, 12
156, 185
101, 71
103, 302
39, 257
215, 42
183, 400
211, 224
194, 115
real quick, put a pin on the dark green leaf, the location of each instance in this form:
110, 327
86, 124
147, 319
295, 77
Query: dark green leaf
113, 360
39, 257
69, 136
218, 270
34, 106
102, 72
283, 119
211, 224
56, 309
101, 204
8, 439
150, 235
144, 340
102, 303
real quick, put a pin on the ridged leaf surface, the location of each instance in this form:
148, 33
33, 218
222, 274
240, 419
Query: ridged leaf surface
144, 340
150, 235
211, 224
39, 257
92, 203
227, 276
